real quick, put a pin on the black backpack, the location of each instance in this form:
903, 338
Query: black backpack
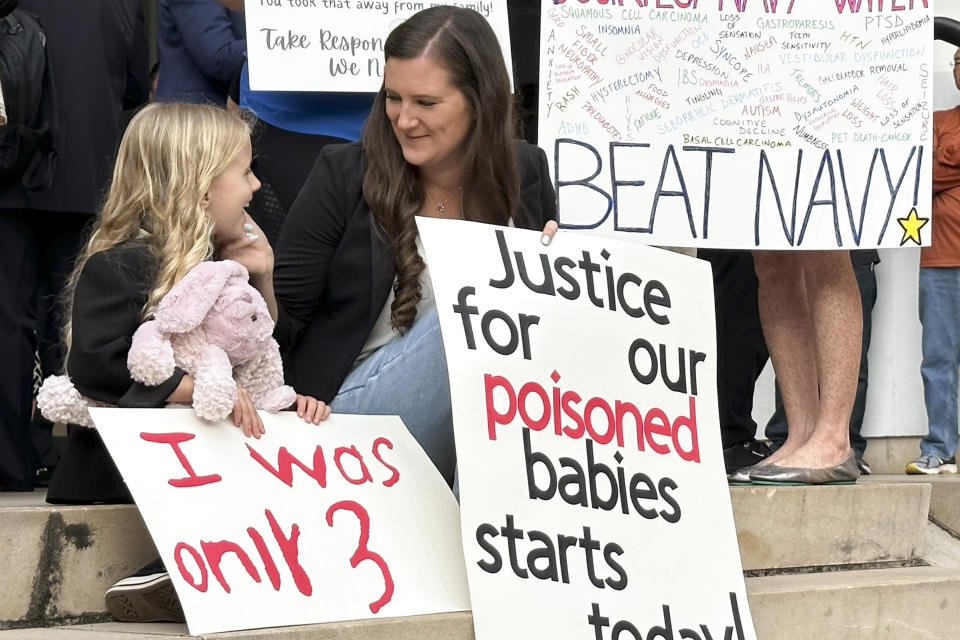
28, 154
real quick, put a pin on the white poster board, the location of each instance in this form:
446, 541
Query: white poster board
337, 45
740, 123
341, 521
577, 524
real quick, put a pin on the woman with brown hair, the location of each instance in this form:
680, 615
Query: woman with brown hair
358, 323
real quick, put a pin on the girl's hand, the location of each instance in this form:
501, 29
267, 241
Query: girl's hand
251, 250
183, 394
311, 409
245, 416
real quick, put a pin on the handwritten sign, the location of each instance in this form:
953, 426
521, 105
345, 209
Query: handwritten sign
583, 380
740, 123
341, 521
337, 45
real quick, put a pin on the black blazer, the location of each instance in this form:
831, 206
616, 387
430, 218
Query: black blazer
333, 272
110, 293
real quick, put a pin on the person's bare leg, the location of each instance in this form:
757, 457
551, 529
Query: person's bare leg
834, 303
791, 342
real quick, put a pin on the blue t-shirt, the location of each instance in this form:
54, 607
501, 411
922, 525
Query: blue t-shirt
318, 113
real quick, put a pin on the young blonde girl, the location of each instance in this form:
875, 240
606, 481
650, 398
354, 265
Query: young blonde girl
180, 184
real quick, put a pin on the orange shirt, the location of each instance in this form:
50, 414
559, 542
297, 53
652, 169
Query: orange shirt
944, 250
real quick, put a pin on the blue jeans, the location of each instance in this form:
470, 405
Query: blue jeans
408, 377
940, 318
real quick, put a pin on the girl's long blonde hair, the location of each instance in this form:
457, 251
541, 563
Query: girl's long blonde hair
169, 156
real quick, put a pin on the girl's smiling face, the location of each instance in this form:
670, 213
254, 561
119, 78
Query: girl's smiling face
228, 195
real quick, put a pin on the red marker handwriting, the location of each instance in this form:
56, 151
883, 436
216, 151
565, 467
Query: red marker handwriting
379, 442
174, 440
213, 552
285, 462
363, 553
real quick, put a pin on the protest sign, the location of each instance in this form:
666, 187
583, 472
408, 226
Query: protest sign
337, 45
341, 521
740, 123
594, 503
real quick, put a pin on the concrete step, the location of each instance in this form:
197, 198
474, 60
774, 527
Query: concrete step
876, 522
445, 626
944, 495
58, 561
890, 454
880, 604
64, 558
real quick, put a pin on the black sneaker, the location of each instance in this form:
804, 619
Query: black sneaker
43, 477
745, 454
144, 598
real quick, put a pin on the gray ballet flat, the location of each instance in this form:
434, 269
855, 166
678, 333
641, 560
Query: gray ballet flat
741, 477
844, 473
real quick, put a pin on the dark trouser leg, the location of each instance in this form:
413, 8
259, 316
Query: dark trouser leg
18, 271
741, 351
526, 100
867, 283
57, 247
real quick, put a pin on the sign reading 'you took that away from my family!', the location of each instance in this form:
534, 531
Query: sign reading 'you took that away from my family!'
776, 124
593, 502
337, 45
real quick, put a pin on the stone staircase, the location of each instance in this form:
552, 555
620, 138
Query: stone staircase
879, 560
850, 562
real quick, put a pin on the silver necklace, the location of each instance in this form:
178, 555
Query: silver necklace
442, 204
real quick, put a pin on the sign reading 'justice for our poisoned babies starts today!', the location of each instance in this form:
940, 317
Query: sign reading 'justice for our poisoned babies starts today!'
583, 378
741, 123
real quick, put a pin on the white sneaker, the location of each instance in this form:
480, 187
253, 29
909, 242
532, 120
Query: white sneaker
929, 464
148, 598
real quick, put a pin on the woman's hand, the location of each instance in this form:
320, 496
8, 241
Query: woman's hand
311, 409
251, 250
549, 230
245, 416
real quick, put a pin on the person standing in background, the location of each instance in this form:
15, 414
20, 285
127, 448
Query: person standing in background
97, 52
863, 261
939, 299
741, 356
524, 17
201, 46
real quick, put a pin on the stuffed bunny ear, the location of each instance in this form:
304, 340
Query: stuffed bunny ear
188, 302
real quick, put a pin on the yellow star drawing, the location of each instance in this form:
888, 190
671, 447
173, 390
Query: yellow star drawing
911, 226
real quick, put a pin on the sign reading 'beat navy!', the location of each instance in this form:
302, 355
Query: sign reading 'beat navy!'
773, 124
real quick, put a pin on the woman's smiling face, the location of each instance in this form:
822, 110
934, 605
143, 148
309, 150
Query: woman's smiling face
430, 116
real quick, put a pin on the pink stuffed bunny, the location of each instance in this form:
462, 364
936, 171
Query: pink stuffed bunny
215, 326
